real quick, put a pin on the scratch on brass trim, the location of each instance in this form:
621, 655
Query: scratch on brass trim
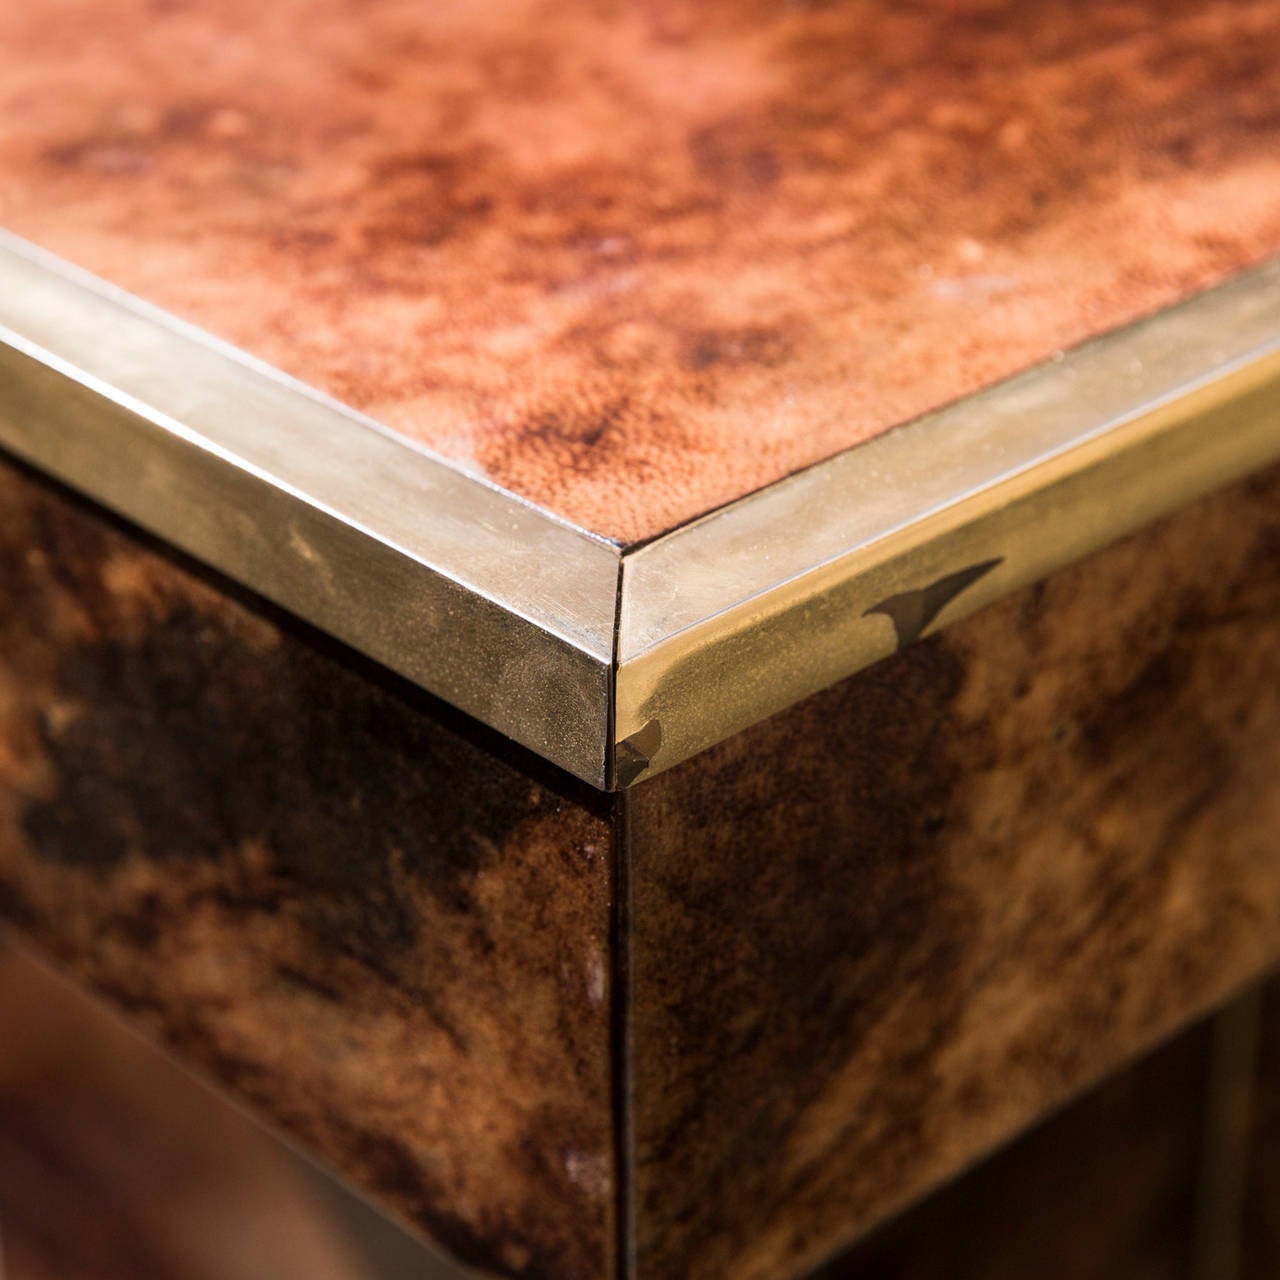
616, 664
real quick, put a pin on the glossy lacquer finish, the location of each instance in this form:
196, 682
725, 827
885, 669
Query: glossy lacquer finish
632, 260
851, 950
881, 932
387, 938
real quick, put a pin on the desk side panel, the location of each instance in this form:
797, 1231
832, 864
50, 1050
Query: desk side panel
309, 882
884, 931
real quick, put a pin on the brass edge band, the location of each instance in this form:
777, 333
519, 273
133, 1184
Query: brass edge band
508, 612
500, 608
759, 604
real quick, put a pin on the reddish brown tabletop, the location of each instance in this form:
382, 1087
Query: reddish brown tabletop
635, 259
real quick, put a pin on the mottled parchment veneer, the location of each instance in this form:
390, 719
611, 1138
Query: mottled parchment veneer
384, 936
636, 258
633, 259
876, 935
862, 943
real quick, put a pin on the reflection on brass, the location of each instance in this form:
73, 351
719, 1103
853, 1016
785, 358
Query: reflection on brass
565, 642
912, 611
635, 752
116, 1164
760, 604
1227, 1132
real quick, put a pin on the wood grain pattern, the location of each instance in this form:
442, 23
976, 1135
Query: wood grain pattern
384, 936
635, 258
881, 933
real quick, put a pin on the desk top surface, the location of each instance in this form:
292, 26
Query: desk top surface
633, 260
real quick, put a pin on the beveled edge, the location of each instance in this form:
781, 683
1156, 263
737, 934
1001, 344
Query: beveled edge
613, 663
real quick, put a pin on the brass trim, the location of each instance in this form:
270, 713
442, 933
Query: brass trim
500, 608
616, 664
761, 603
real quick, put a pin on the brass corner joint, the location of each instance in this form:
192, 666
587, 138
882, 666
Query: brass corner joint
616, 663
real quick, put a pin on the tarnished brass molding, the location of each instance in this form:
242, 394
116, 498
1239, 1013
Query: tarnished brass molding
498, 607
736, 616
618, 663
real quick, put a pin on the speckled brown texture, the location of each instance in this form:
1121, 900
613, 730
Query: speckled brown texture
388, 939
634, 258
882, 932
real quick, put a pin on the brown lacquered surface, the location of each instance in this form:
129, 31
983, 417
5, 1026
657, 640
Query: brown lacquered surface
884, 931
388, 939
865, 942
635, 259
